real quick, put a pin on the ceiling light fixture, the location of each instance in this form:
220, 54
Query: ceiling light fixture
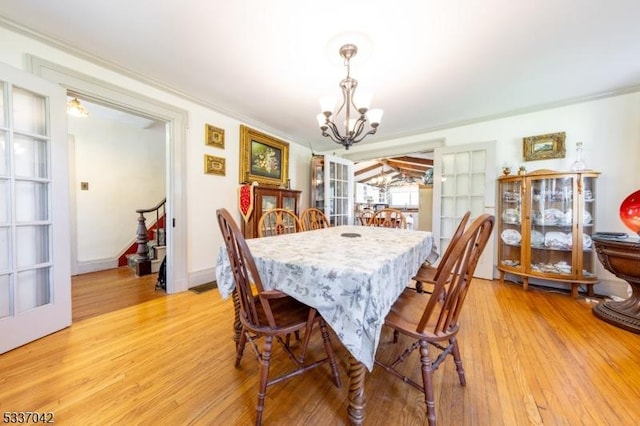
353, 127
75, 108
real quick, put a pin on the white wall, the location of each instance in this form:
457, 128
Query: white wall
124, 166
609, 129
205, 193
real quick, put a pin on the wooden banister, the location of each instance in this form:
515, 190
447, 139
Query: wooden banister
143, 262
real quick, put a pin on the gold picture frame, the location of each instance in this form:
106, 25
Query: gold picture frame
544, 147
263, 158
214, 165
214, 136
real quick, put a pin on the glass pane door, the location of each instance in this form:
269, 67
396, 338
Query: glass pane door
464, 180
34, 291
339, 190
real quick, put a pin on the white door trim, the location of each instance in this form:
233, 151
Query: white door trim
177, 124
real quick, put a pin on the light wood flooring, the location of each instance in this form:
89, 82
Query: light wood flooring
530, 358
101, 292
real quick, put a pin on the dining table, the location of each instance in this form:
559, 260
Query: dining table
351, 275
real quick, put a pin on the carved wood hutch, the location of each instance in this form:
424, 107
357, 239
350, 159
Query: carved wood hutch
266, 198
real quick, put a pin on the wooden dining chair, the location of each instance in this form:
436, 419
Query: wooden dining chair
363, 217
268, 315
278, 221
428, 274
313, 218
388, 218
433, 321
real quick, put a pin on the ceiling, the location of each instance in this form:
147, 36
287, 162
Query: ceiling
395, 171
429, 64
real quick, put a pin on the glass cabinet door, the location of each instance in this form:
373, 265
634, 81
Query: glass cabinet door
588, 208
551, 224
317, 183
269, 202
509, 249
289, 203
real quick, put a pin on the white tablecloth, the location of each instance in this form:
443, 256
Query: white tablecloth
351, 281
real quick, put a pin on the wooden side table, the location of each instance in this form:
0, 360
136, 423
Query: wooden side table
620, 256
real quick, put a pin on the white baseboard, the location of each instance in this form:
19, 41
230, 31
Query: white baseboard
202, 277
96, 265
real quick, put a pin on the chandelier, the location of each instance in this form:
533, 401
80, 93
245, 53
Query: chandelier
354, 128
75, 108
381, 181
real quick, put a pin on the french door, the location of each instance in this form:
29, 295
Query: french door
464, 180
35, 283
339, 190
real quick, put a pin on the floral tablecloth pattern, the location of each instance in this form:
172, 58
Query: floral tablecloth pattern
351, 281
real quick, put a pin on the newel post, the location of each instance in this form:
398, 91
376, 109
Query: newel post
143, 263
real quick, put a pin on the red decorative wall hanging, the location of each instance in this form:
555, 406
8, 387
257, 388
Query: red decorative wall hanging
246, 201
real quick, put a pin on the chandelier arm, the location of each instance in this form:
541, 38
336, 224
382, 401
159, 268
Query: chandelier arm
359, 126
370, 132
334, 135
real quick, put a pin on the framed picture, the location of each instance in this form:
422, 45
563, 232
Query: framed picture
544, 147
263, 159
214, 136
214, 165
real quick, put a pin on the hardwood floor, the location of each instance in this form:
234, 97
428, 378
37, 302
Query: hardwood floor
530, 358
101, 292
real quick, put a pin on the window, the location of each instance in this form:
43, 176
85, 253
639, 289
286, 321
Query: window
404, 196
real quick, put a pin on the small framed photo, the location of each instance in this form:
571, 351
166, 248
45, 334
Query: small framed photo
544, 147
214, 165
263, 159
214, 136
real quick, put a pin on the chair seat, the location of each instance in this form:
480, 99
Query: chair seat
288, 313
407, 311
426, 274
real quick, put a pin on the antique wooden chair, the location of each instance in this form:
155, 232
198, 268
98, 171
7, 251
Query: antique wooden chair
363, 217
278, 221
428, 274
432, 321
388, 218
269, 314
313, 218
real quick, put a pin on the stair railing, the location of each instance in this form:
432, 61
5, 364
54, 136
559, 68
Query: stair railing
143, 262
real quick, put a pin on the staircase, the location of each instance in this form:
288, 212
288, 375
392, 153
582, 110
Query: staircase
150, 247
157, 250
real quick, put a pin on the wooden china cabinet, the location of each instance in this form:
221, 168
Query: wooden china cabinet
267, 198
545, 222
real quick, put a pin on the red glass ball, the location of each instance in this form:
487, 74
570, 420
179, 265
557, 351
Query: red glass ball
630, 212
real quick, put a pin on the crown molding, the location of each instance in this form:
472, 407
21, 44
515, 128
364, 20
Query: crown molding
141, 78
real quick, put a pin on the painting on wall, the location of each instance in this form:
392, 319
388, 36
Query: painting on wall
214, 165
544, 147
263, 158
214, 136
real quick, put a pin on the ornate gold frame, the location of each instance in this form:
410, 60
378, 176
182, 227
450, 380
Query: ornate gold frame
214, 165
263, 158
544, 147
214, 136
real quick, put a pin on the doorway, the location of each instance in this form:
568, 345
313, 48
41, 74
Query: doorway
116, 166
176, 120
